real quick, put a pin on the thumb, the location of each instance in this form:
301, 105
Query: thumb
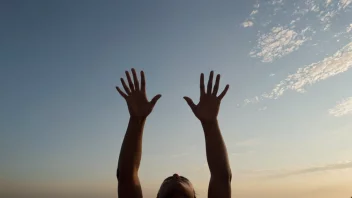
190, 102
155, 99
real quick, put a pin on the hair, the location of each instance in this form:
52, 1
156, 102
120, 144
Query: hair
194, 192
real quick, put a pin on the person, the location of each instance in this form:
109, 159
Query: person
175, 186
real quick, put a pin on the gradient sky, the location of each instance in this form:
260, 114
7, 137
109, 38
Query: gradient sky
286, 119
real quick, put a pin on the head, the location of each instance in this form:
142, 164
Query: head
176, 187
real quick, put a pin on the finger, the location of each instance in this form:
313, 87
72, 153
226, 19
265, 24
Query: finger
142, 81
202, 88
155, 99
190, 103
121, 92
216, 86
135, 79
129, 81
224, 92
127, 90
210, 82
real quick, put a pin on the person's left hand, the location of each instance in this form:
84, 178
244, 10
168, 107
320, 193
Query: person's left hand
136, 97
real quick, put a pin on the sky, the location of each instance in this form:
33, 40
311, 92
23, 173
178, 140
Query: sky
286, 119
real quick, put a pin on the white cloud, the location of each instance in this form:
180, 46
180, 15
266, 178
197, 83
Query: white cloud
342, 108
247, 23
274, 45
349, 28
326, 17
257, 5
327, 27
263, 108
277, 2
344, 3
254, 12
338, 63
338, 34
328, 2
279, 42
331, 66
305, 6
251, 100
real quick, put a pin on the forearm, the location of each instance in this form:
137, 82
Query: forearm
216, 151
131, 149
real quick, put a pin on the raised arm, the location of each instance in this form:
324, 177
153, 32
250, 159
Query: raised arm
131, 150
206, 111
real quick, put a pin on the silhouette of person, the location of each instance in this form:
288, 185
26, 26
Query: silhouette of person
175, 186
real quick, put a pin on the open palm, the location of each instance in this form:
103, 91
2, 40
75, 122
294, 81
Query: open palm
136, 97
208, 107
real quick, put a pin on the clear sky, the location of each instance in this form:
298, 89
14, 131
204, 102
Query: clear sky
286, 119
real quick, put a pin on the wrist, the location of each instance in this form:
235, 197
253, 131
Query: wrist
138, 118
209, 122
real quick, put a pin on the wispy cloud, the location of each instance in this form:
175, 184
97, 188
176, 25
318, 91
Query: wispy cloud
247, 23
342, 108
277, 2
263, 108
326, 18
254, 12
328, 2
344, 3
331, 66
307, 170
338, 63
329, 167
256, 5
349, 28
252, 100
279, 42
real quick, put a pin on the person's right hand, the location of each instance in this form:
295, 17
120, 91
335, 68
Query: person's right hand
136, 97
208, 107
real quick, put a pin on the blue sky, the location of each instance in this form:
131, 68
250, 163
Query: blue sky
286, 118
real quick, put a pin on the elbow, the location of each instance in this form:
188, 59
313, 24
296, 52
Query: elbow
128, 175
122, 176
117, 174
224, 175
228, 175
